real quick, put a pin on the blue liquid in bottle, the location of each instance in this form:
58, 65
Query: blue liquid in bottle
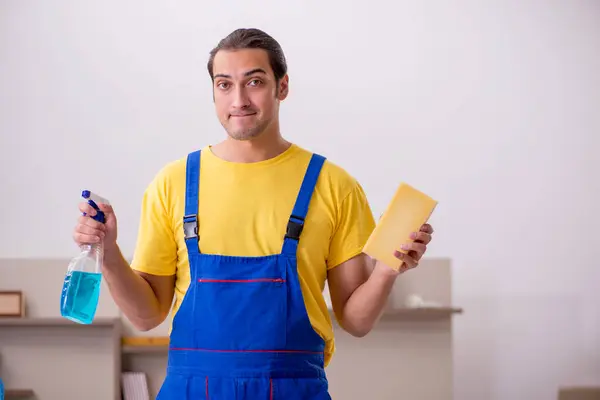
81, 291
81, 286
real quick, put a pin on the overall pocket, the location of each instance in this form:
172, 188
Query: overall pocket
244, 314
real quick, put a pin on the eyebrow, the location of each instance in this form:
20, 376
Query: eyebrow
248, 73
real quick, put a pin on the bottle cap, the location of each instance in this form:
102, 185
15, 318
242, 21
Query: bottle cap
93, 199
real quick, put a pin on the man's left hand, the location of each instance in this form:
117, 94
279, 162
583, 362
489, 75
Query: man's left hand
416, 249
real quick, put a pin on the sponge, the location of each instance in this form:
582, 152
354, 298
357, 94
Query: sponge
406, 213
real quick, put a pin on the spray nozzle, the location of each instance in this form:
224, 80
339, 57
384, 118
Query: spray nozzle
93, 200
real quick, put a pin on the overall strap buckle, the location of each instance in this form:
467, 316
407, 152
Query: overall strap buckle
190, 226
294, 228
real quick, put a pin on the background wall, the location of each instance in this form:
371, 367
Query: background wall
490, 107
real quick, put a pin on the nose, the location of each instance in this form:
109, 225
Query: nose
241, 99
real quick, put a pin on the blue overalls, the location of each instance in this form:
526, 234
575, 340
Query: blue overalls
242, 331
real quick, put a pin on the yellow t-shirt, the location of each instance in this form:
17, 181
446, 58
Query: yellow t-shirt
244, 210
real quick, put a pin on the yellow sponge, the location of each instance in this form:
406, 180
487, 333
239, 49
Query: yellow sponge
406, 213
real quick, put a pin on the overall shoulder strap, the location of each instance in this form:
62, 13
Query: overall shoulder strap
190, 218
296, 221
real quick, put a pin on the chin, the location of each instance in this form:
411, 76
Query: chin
248, 133
243, 135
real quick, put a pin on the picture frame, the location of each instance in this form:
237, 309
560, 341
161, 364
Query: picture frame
12, 304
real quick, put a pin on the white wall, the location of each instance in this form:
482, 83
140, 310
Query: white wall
491, 107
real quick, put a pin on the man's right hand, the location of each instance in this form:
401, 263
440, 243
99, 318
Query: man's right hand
143, 298
90, 231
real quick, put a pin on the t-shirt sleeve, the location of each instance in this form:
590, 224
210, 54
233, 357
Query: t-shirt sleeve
156, 248
354, 225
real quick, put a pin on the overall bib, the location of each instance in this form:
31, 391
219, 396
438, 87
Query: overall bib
242, 331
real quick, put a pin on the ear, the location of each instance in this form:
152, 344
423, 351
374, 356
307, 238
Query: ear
284, 88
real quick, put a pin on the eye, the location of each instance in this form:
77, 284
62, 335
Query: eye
255, 82
223, 85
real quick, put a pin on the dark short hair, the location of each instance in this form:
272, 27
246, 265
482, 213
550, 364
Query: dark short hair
251, 38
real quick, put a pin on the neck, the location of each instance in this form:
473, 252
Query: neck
268, 145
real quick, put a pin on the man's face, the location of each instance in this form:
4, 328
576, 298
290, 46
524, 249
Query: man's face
245, 92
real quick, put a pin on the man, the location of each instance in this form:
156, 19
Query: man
245, 234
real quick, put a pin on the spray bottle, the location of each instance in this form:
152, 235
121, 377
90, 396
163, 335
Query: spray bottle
81, 287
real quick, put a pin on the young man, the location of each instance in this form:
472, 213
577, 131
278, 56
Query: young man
245, 234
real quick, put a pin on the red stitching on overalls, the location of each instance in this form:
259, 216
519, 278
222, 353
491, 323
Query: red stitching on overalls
207, 388
245, 351
206, 280
271, 389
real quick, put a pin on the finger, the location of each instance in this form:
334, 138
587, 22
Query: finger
89, 230
84, 220
421, 237
85, 234
408, 260
415, 256
83, 238
415, 246
426, 228
404, 267
87, 209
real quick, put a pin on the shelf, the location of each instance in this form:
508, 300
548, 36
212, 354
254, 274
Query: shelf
147, 349
413, 313
421, 313
135, 341
160, 344
11, 394
56, 322
144, 344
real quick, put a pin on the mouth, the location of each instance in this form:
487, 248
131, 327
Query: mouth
241, 115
